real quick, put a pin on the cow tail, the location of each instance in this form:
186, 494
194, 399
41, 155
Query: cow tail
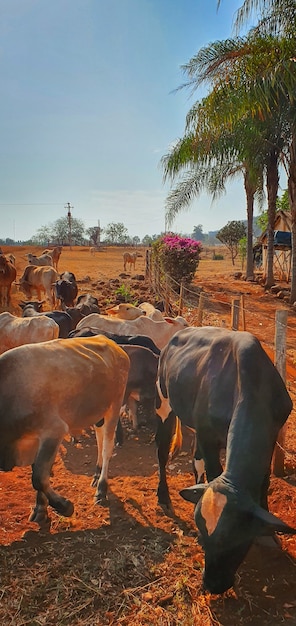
177, 439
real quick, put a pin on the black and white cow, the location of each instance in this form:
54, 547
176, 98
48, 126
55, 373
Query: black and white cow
66, 289
222, 384
62, 319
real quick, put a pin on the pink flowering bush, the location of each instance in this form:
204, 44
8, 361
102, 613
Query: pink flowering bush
177, 256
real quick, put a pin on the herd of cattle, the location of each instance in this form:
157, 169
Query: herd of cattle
71, 368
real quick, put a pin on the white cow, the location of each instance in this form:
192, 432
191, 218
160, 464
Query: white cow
159, 332
43, 259
41, 280
17, 331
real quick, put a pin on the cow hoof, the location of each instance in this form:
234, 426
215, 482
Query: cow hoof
65, 508
102, 501
94, 482
40, 517
166, 508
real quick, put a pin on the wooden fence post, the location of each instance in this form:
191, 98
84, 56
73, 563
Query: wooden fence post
181, 299
243, 312
200, 309
278, 463
235, 314
167, 296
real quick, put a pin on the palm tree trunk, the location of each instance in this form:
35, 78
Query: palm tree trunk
292, 200
272, 183
250, 193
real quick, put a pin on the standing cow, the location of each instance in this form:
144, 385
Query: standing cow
7, 276
222, 384
48, 390
41, 280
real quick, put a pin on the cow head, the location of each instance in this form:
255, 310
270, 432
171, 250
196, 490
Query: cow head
228, 522
126, 311
37, 305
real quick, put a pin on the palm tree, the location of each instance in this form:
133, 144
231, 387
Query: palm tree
207, 156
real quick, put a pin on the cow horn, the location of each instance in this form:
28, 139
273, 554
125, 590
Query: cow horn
193, 493
271, 521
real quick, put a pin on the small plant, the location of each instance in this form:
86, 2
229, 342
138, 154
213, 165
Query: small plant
218, 257
125, 292
177, 256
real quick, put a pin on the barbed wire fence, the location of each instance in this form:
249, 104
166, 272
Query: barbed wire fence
192, 303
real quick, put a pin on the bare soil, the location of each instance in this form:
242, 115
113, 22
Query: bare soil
129, 563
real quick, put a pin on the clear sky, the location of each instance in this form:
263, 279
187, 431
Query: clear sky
87, 110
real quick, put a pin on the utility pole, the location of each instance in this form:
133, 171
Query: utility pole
69, 207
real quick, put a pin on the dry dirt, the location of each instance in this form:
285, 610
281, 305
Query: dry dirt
129, 563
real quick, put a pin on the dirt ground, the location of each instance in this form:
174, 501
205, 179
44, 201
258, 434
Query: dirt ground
129, 563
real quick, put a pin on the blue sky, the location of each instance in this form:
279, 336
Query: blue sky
87, 111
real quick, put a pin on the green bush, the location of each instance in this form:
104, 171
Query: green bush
177, 256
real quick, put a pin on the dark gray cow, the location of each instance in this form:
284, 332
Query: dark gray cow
223, 385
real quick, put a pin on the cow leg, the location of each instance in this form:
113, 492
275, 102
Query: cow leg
163, 438
99, 426
107, 445
198, 463
41, 469
208, 448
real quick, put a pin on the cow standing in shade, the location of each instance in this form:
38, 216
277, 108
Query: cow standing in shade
223, 385
93, 372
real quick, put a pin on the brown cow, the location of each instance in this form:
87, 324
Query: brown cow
40, 279
129, 258
7, 276
50, 389
55, 254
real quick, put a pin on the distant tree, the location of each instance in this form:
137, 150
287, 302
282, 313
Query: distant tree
198, 234
60, 231
230, 235
94, 234
116, 233
136, 240
43, 235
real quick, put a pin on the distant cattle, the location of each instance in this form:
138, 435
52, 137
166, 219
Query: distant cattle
47, 391
159, 332
223, 385
66, 289
43, 259
61, 318
7, 276
92, 250
125, 311
39, 279
129, 258
55, 254
17, 331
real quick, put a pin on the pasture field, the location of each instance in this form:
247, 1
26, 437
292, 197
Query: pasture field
129, 564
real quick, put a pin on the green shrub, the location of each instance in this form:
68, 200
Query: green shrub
177, 256
218, 257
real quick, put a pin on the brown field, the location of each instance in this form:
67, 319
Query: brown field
130, 564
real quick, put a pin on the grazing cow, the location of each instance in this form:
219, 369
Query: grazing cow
86, 303
66, 289
7, 276
55, 254
61, 318
17, 331
44, 259
159, 332
222, 384
92, 250
39, 279
129, 258
125, 311
50, 389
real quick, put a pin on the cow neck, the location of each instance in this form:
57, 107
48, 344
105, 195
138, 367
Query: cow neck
249, 450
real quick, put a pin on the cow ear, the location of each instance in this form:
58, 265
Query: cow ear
271, 522
194, 493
